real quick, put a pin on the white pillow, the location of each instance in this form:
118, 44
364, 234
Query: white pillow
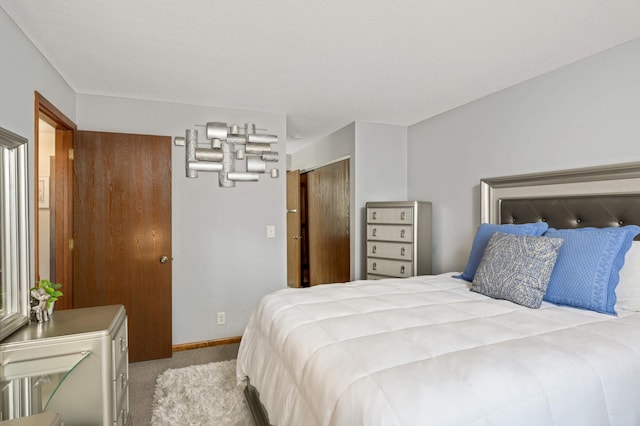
628, 289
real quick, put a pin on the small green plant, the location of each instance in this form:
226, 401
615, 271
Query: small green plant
52, 289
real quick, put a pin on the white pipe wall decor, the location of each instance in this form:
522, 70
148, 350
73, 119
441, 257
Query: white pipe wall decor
228, 144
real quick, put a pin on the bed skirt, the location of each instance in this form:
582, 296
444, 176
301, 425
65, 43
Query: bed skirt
258, 412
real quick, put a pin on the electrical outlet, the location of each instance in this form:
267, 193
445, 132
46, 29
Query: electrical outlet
271, 231
221, 318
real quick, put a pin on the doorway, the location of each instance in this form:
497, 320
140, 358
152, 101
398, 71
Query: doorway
53, 224
46, 156
318, 222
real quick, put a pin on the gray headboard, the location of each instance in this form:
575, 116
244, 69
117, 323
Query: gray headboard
589, 197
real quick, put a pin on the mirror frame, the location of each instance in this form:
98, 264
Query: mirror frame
14, 232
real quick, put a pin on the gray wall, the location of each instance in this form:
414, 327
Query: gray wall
584, 114
381, 164
223, 261
378, 161
23, 71
339, 144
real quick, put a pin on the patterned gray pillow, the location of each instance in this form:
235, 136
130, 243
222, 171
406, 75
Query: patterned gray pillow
517, 268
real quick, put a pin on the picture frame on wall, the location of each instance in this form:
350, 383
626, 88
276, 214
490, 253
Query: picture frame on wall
43, 192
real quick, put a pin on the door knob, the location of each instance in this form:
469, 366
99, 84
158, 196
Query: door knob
164, 259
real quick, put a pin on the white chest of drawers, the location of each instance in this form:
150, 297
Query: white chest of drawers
76, 364
398, 239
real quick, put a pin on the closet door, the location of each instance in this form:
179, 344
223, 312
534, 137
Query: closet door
328, 223
294, 266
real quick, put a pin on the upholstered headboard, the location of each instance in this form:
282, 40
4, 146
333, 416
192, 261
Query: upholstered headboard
590, 197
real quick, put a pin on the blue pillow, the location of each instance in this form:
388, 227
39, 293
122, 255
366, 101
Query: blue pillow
485, 231
586, 271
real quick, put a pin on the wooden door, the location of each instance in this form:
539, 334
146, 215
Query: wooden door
328, 223
122, 230
293, 229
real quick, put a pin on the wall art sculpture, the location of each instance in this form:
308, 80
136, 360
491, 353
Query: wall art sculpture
228, 147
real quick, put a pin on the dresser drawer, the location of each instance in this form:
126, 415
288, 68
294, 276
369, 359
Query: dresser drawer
400, 233
119, 347
395, 215
376, 277
400, 251
390, 268
121, 388
124, 416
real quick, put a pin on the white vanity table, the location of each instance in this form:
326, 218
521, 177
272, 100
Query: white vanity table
76, 364
49, 418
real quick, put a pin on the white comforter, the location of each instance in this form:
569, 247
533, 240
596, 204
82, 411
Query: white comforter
427, 351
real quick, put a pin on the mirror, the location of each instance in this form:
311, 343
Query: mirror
14, 233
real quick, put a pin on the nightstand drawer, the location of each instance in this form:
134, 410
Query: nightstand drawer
400, 251
398, 215
390, 268
398, 233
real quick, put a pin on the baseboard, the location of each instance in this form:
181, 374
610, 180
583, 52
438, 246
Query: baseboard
206, 344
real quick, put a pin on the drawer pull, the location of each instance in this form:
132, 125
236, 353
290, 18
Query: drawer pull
402, 215
125, 416
374, 231
374, 249
373, 216
402, 250
402, 269
402, 233
123, 344
374, 266
123, 381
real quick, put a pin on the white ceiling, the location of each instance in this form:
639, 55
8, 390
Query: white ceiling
323, 63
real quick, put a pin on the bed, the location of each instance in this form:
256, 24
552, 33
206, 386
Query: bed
427, 350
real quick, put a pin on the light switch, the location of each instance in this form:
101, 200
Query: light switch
271, 231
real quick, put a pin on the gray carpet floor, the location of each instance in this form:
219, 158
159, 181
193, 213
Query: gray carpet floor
142, 376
